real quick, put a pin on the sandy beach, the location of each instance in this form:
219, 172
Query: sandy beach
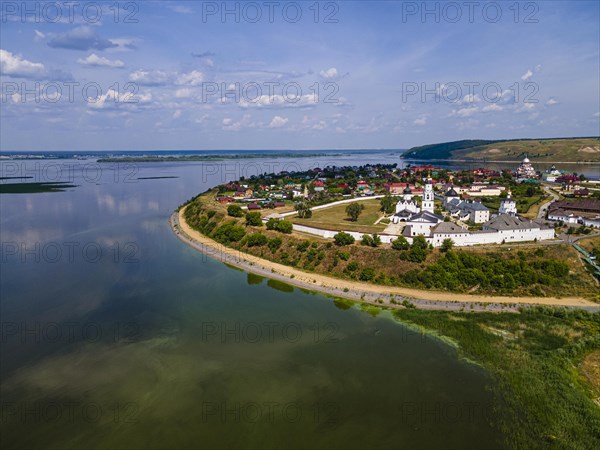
363, 292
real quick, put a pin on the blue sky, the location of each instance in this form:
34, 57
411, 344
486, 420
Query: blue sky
154, 75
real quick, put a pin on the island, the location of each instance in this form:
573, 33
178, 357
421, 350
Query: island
418, 236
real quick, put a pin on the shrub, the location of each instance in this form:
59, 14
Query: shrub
302, 246
371, 241
272, 223
253, 219
367, 274
229, 232
235, 211
274, 244
256, 240
345, 256
343, 239
352, 266
285, 226
447, 245
367, 240
400, 244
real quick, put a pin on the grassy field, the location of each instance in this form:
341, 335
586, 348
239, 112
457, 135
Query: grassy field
542, 364
589, 244
335, 218
565, 150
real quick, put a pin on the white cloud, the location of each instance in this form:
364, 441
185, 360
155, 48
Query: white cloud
471, 98
162, 78
527, 107
527, 75
492, 107
245, 122
16, 66
100, 61
321, 125
597, 114
149, 77
420, 121
551, 101
177, 114
278, 122
465, 112
193, 78
113, 98
329, 73
183, 93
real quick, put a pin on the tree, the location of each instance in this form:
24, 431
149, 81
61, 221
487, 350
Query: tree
235, 211
229, 232
285, 226
253, 219
376, 240
343, 239
272, 223
447, 245
353, 210
400, 244
304, 211
418, 250
387, 204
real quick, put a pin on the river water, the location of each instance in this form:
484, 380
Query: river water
117, 335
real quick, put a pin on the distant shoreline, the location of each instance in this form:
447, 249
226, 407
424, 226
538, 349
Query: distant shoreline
357, 291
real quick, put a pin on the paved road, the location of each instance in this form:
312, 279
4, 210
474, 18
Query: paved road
544, 207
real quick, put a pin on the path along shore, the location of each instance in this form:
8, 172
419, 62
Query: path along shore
362, 292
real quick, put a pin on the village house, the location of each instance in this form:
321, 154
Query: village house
585, 212
225, 199
484, 190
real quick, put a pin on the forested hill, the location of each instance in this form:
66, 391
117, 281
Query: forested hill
585, 149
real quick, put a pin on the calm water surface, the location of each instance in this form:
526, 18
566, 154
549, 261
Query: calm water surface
117, 335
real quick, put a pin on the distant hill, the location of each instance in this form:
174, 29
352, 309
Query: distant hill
585, 149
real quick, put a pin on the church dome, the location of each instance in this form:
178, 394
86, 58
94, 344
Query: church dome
407, 190
526, 160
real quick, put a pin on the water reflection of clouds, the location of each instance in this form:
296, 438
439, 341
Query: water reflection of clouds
122, 207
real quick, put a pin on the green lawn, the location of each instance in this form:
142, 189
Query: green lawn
335, 218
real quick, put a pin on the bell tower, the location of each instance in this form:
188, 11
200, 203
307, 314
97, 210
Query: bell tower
428, 197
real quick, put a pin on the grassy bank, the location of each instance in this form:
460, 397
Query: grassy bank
549, 150
538, 363
545, 271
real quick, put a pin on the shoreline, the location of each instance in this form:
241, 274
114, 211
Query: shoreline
357, 291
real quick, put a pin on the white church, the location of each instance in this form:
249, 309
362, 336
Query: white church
419, 220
